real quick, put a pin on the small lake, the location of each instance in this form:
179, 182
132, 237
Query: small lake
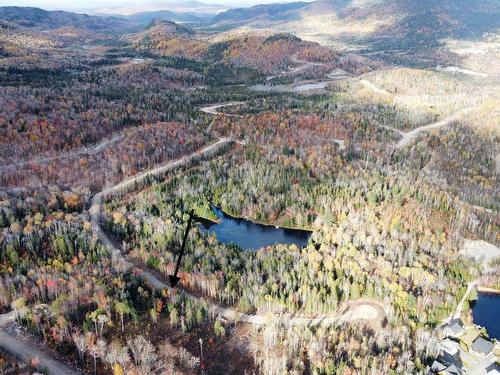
486, 313
251, 236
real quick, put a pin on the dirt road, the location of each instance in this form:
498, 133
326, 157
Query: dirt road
97, 148
408, 137
212, 109
374, 88
24, 349
364, 310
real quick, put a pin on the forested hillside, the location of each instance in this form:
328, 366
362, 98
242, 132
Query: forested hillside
312, 120
51, 20
393, 31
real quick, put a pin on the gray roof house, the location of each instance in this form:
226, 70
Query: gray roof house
447, 364
493, 369
445, 369
454, 328
482, 346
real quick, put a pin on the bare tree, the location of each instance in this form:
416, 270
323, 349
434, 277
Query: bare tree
102, 348
187, 359
145, 358
113, 353
81, 344
123, 357
94, 352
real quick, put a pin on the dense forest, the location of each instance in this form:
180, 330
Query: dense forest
391, 169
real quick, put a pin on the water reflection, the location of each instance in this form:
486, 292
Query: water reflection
250, 236
486, 313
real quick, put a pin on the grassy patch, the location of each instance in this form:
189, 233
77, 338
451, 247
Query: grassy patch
469, 336
204, 211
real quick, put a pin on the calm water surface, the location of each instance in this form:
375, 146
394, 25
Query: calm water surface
251, 236
486, 313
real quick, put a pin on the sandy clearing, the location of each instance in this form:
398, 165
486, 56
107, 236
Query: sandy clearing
212, 109
482, 251
364, 312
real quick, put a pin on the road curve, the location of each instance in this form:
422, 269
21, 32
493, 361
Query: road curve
122, 264
97, 148
408, 137
212, 109
304, 64
374, 88
22, 347
25, 350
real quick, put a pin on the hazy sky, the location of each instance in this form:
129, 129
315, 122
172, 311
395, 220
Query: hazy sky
125, 6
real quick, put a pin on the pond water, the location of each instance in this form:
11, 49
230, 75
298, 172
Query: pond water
486, 313
251, 236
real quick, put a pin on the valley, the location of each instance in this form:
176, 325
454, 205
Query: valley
342, 167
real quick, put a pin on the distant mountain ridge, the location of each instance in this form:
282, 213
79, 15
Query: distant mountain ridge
166, 15
29, 17
167, 28
396, 31
171, 10
376, 24
267, 12
36, 18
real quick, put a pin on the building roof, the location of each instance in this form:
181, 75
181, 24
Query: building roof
449, 369
482, 346
449, 346
437, 366
493, 369
453, 370
447, 364
456, 321
456, 329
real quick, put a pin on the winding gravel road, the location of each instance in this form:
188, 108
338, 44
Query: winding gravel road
304, 64
408, 137
25, 350
212, 109
366, 310
374, 88
97, 148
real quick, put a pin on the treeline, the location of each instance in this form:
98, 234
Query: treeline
49, 120
61, 285
127, 153
254, 186
377, 235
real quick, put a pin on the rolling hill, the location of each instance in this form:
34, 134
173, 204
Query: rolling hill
36, 18
372, 26
264, 13
166, 15
264, 53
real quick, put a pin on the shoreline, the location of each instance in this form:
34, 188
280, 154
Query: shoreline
206, 218
484, 289
302, 229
